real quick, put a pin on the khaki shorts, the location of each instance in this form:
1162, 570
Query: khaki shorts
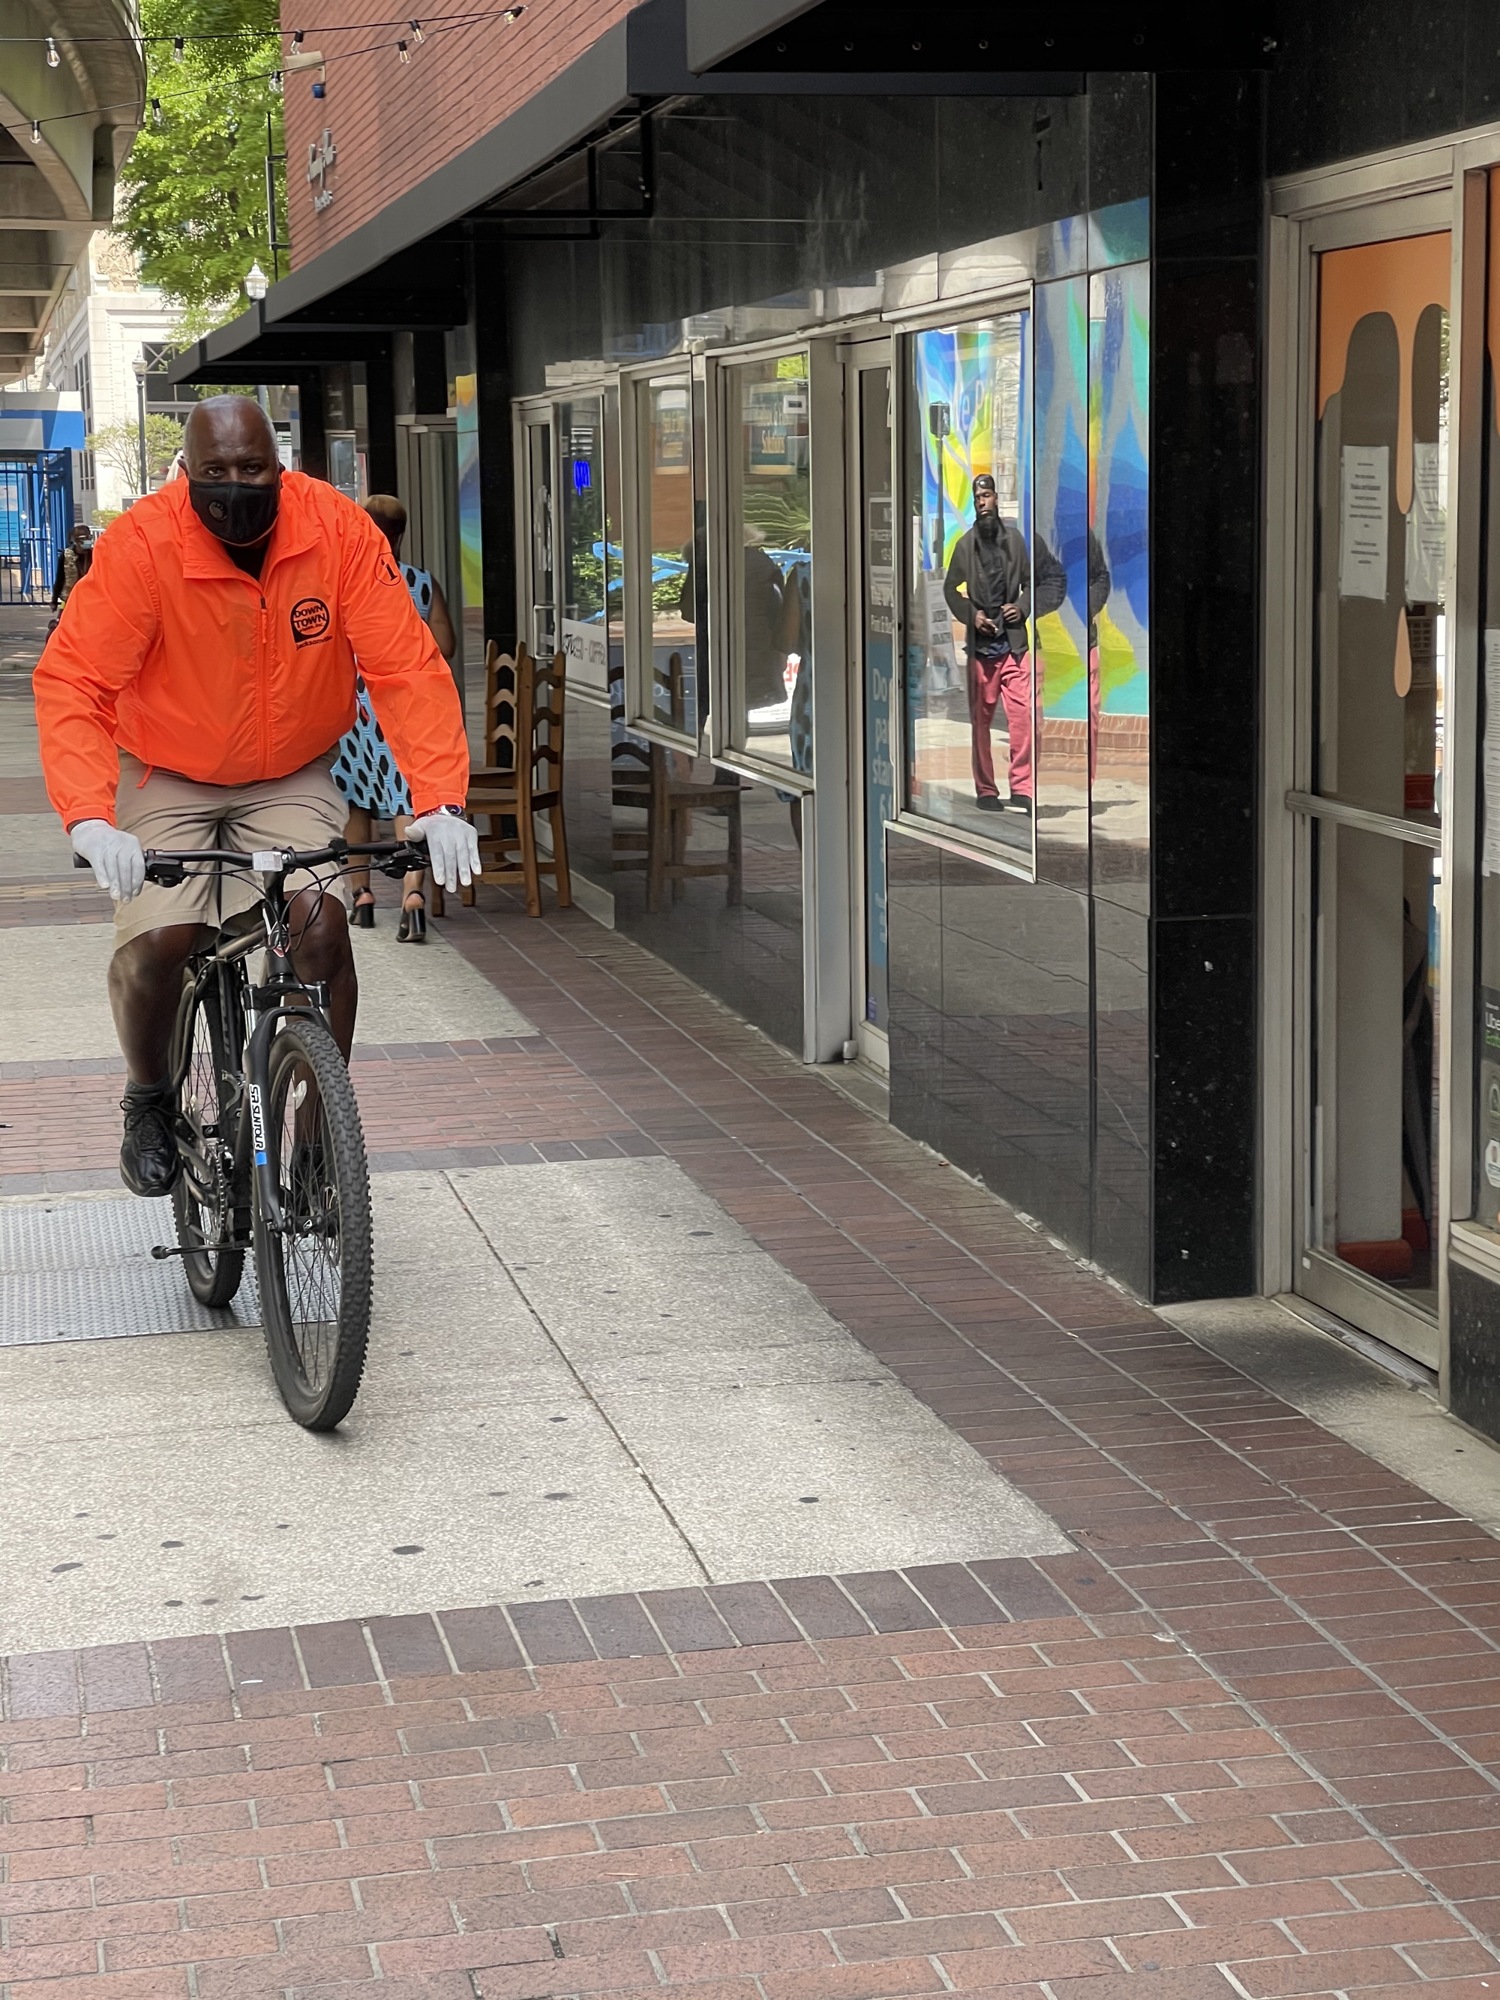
161, 809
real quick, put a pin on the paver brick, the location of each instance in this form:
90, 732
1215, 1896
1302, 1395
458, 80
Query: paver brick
815, 1789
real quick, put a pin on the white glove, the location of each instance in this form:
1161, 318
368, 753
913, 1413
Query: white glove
452, 847
116, 857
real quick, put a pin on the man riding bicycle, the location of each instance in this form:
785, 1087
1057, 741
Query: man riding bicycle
192, 696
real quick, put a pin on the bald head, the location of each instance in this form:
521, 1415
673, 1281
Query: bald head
389, 515
230, 438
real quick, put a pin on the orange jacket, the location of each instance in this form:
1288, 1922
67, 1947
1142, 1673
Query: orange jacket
166, 650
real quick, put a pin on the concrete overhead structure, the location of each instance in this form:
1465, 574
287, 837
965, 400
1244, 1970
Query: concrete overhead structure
56, 189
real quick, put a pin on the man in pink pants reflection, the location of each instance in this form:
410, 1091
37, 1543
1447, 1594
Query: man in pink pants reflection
988, 589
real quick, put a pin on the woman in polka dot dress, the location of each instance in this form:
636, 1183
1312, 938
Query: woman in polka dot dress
364, 769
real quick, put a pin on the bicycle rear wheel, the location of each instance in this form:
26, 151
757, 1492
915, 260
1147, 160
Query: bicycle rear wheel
316, 1271
207, 1128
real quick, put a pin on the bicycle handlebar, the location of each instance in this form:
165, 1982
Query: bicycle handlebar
166, 867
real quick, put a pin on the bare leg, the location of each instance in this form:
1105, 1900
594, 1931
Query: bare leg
145, 984
414, 882
321, 950
358, 829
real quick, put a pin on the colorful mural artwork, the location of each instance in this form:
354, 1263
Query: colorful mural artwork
1062, 518
471, 540
1119, 378
972, 389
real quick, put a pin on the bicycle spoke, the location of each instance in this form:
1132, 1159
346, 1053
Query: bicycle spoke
311, 1252
203, 1199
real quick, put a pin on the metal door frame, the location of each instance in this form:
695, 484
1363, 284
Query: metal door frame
529, 414
826, 921
862, 351
1418, 191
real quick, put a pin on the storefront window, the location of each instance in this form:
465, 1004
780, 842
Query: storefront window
769, 560
669, 555
1066, 670
584, 635
974, 579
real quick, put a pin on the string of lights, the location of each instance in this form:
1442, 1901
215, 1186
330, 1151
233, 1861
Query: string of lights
417, 33
295, 35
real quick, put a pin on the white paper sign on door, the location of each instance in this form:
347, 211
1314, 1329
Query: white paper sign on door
942, 659
1364, 519
1490, 853
1426, 529
585, 647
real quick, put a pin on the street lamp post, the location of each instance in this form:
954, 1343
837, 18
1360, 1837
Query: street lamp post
139, 366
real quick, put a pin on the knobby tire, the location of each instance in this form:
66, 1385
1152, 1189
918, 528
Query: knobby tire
316, 1276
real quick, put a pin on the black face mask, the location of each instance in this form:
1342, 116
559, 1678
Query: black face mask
237, 514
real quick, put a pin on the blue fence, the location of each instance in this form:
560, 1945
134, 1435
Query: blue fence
36, 508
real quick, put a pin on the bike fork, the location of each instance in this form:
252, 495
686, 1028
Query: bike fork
258, 1089
257, 1107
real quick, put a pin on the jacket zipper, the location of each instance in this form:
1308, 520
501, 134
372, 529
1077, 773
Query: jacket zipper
262, 689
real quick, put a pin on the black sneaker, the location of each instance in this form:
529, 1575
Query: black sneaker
988, 803
1018, 803
149, 1162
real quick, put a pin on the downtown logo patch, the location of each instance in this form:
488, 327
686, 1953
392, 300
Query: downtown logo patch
310, 620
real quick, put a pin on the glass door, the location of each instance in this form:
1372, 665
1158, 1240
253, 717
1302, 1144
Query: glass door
1369, 815
541, 583
872, 655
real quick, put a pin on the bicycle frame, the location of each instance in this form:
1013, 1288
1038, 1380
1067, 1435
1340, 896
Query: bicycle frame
282, 994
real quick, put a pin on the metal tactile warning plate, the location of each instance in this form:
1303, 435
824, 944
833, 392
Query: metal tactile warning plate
82, 1270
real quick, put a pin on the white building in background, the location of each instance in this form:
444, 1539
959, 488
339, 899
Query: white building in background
105, 318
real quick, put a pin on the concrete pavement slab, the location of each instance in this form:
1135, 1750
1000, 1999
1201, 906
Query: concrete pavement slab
54, 999
521, 1432
34, 848
425, 993
783, 1445
474, 1451
793, 1479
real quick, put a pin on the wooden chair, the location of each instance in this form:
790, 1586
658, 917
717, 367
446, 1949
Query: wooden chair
669, 821
520, 776
671, 800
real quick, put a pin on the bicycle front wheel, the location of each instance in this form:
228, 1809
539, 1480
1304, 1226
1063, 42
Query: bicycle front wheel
203, 1200
316, 1270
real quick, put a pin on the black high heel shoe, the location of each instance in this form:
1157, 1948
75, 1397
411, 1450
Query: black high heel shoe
413, 926
364, 910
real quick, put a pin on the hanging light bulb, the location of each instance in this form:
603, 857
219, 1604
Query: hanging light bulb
177, 48
418, 34
298, 38
403, 53
156, 118
513, 13
53, 58
36, 132
275, 82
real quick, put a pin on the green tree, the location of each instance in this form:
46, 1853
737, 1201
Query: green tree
195, 203
119, 445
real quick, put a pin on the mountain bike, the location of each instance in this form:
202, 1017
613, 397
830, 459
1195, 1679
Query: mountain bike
271, 1151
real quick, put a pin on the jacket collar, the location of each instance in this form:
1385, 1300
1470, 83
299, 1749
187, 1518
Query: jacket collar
205, 556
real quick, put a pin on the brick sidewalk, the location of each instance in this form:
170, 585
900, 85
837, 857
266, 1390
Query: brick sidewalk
778, 1808
636, 1802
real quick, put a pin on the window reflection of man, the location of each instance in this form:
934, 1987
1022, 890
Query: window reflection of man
988, 590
